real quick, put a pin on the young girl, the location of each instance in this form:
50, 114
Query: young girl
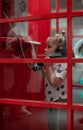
55, 77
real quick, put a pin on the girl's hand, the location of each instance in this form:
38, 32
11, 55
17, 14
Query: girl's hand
47, 64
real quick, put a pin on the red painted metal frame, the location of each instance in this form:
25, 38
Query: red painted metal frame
77, 85
69, 106
69, 50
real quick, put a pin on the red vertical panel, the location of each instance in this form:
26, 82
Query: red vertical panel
39, 30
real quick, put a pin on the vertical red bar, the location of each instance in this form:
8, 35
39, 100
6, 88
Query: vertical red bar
69, 56
70, 119
1, 117
0, 24
1, 107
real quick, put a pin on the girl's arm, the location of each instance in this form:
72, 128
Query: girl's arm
51, 76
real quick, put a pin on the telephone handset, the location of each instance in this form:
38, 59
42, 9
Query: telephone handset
58, 54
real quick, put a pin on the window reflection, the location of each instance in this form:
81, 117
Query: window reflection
77, 40
53, 5
16, 39
77, 4
62, 5
78, 119
41, 118
58, 6
58, 25
77, 81
14, 8
77, 25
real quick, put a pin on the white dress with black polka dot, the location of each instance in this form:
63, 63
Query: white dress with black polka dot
59, 92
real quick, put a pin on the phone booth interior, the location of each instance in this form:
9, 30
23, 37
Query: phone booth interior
24, 27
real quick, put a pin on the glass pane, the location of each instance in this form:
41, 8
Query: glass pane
78, 95
58, 25
18, 38
53, 5
20, 8
14, 8
23, 81
77, 80
53, 27
77, 4
28, 39
15, 29
78, 120
77, 41
63, 25
77, 46
19, 81
77, 26
62, 5
77, 72
58, 6
36, 118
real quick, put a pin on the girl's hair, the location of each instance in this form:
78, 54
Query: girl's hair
61, 39
61, 43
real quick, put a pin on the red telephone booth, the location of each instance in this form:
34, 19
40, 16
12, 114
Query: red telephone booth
24, 27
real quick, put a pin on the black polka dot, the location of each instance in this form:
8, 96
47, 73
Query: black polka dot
51, 99
49, 92
57, 88
63, 93
59, 65
62, 86
46, 85
59, 71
